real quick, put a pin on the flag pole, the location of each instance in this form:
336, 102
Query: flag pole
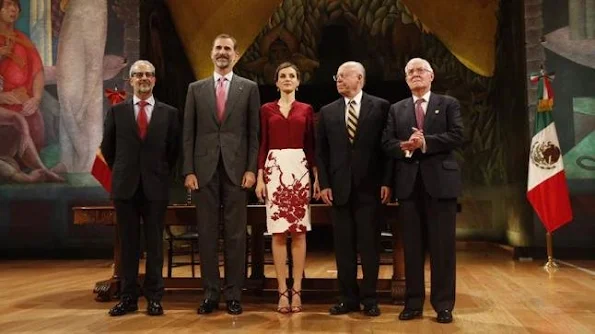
551, 264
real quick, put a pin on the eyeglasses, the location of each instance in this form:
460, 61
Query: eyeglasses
139, 75
336, 77
418, 70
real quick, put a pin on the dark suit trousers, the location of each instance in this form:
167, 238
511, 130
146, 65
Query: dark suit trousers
429, 224
129, 213
220, 191
357, 226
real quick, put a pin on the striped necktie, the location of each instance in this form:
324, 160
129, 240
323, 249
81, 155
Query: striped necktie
351, 121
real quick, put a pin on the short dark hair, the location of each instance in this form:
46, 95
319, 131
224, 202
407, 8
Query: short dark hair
286, 65
17, 2
226, 36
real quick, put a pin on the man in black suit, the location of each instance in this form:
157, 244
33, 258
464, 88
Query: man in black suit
221, 124
354, 177
421, 134
140, 145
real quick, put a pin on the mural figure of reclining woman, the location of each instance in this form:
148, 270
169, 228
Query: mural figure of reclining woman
21, 88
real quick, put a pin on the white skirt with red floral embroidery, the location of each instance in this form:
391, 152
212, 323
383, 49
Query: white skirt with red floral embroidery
288, 191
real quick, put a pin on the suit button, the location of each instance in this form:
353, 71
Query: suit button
417, 162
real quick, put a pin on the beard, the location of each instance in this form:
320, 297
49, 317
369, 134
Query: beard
144, 88
222, 62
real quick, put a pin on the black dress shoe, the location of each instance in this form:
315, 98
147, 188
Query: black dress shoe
444, 317
342, 308
371, 310
234, 307
127, 305
207, 306
409, 313
154, 308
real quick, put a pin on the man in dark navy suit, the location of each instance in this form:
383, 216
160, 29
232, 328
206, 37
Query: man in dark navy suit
420, 135
140, 145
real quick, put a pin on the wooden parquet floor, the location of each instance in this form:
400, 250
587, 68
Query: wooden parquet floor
494, 295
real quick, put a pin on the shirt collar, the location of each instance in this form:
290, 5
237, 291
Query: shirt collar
150, 100
228, 76
357, 98
426, 97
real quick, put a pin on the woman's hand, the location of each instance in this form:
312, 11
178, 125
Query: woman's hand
261, 190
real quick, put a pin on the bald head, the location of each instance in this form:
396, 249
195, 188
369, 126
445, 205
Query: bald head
350, 78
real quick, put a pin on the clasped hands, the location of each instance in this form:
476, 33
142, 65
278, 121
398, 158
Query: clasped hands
416, 140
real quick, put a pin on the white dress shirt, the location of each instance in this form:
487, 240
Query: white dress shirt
227, 82
357, 106
148, 108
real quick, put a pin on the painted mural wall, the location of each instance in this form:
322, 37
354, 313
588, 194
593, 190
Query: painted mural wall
57, 57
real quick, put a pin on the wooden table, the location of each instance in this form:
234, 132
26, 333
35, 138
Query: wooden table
185, 215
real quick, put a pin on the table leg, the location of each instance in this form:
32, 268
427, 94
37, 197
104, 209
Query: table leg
110, 289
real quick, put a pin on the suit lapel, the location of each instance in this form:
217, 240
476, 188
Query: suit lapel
211, 98
340, 108
433, 105
235, 88
156, 118
131, 118
364, 111
410, 115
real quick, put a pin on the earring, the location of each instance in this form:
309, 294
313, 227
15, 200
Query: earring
278, 89
297, 88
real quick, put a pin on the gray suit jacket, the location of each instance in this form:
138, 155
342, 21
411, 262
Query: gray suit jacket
235, 138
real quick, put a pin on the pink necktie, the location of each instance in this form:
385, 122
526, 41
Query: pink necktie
142, 119
419, 114
221, 98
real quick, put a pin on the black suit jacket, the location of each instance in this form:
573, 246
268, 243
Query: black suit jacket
133, 160
341, 164
235, 139
443, 132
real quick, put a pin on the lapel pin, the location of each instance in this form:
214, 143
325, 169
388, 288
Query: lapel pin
436, 111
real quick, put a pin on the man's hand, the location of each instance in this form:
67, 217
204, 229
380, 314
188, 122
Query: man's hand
316, 193
327, 196
385, 194
415, 141
191, 182
248, 180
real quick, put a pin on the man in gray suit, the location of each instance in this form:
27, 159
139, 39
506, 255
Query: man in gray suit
221, 126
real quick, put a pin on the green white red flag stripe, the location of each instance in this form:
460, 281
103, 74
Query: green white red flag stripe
547, 190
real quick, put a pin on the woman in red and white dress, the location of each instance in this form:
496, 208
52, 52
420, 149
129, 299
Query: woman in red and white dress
285, 157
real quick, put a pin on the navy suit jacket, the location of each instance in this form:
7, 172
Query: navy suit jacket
443, 132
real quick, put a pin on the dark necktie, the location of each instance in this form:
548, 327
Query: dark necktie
419, 114
142, 119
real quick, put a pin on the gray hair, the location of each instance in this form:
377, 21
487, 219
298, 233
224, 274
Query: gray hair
140, 62
425, 64
357, 66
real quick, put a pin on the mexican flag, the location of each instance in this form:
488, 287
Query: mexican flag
547, 189
101, 172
